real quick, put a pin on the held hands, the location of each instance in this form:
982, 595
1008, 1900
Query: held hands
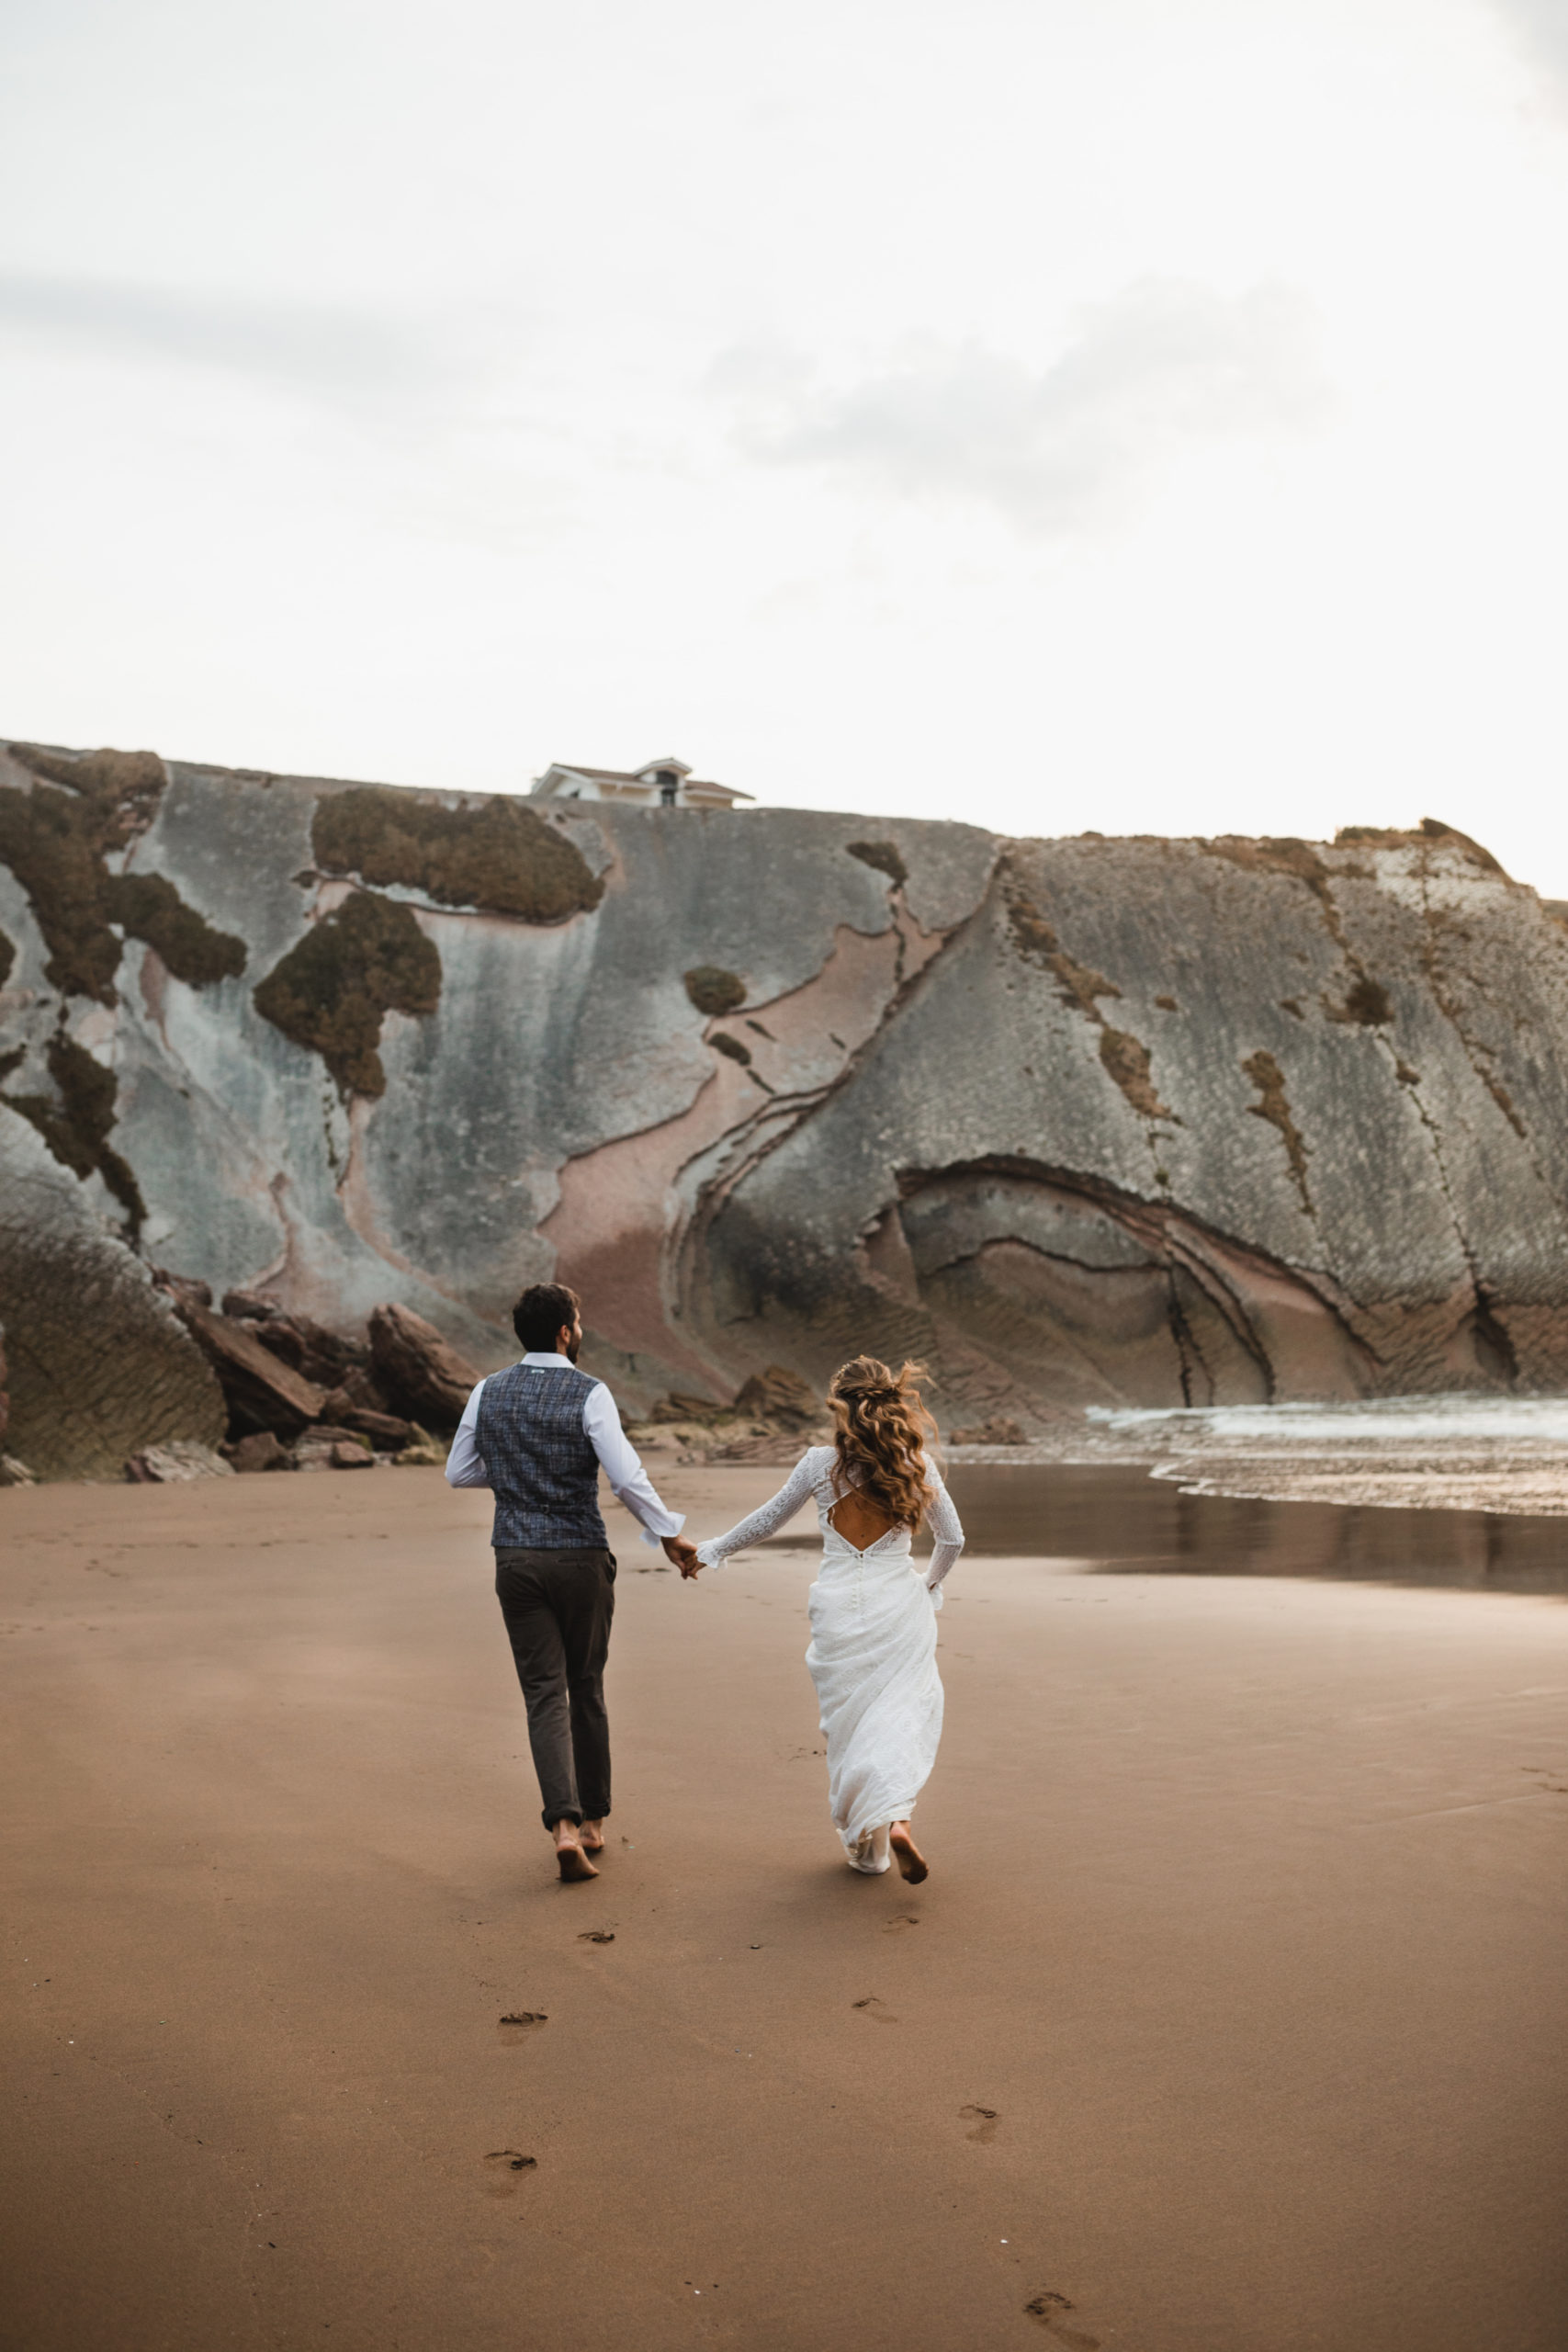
684, 1554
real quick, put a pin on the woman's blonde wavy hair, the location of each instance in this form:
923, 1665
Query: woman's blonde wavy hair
880, 1435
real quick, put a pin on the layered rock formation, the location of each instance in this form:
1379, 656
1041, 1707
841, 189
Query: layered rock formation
1077, 1121
99, 1367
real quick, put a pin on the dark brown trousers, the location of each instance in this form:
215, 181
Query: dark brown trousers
558, 1607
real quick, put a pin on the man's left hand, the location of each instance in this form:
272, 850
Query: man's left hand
684, 1554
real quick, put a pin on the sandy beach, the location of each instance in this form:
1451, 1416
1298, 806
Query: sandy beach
1231, 2019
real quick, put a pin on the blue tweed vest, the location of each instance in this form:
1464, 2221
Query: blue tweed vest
542, 1469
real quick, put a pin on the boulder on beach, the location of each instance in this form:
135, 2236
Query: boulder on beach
261, 1392
263, 1450
177, 1463
417, 1368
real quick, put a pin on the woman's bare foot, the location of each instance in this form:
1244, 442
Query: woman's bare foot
911, 1862
591, 1837
571, 1860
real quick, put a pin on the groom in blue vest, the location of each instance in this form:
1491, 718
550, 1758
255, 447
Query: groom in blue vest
539, 1435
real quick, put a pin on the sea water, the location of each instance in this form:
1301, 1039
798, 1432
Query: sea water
1119, 1516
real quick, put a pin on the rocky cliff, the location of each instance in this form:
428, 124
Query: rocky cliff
1077, 1121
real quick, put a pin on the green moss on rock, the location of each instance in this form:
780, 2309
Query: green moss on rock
1080, 985
733, 1051
149, 908
126, 785
1366, 1004
56, 843
502, 858
331, 990
54, 846
884, 855
1273, 1105
75, 1120
714, 990
1127, 1059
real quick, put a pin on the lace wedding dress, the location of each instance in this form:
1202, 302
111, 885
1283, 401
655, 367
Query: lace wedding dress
872, 1653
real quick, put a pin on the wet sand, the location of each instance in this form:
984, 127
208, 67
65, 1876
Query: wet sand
1231, 2019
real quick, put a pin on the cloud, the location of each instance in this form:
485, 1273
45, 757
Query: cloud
1163, 366
1541, 26
328, 352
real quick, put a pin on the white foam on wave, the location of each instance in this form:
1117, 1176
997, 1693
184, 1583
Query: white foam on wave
1397, 1420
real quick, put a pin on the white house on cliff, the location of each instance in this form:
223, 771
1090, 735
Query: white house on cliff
661, 783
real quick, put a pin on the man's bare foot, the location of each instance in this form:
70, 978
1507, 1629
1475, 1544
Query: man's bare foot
571, 1860
911, 1862
591, 1837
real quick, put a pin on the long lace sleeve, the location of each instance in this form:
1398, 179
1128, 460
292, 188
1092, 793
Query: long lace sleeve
797, 1488
947, 1533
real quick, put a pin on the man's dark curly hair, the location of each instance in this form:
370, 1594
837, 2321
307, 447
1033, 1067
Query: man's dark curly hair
544, 1311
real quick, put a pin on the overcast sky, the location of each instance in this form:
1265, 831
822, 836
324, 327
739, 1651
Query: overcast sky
1138, 415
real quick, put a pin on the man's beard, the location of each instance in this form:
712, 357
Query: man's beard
572, 1345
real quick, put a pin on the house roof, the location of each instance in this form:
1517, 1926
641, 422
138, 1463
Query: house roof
640, 775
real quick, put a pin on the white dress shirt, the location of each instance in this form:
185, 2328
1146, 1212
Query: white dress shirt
629, 1482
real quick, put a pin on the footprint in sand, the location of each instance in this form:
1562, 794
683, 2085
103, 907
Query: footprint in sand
1049, 2310
597, 1936
502, 2169
517, 2022
902, 1920
984, 2119
873, 2009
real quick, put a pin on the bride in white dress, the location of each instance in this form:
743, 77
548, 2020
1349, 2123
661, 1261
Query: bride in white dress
872, 1653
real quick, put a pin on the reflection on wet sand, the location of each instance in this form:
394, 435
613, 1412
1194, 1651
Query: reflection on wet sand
1117, 1517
